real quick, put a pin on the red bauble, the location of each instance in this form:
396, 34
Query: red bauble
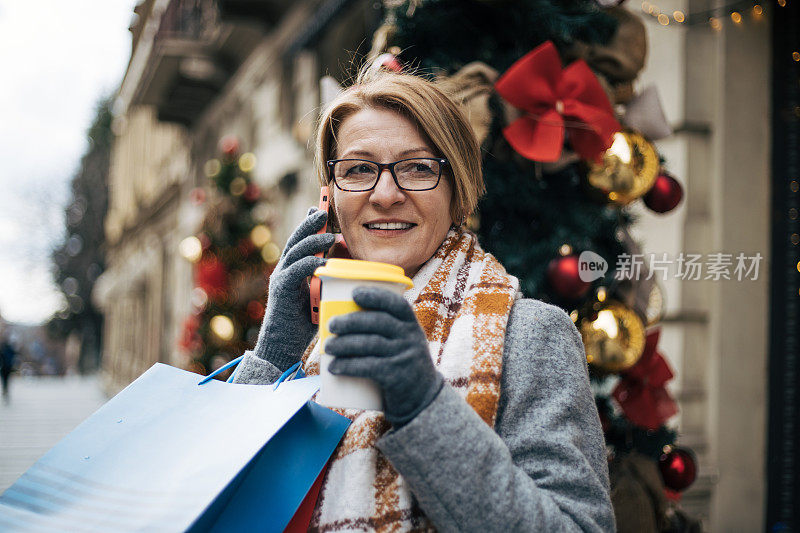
252, 192
212, 276
665, 194
229, 145
197, 195
389, 61
246, 247
564, 278
255, 310
678, 468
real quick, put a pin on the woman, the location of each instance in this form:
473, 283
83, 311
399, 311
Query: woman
489, 423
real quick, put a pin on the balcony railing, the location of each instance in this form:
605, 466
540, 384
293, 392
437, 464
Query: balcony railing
189, 19
267, 12
194, 54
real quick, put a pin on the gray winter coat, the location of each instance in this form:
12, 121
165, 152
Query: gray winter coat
542, 468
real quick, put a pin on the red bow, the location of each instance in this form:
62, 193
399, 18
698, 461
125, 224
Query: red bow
537, 84
641, 393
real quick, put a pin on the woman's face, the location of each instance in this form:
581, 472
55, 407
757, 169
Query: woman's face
386, 136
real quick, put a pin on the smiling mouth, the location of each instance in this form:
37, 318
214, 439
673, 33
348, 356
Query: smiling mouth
395, 226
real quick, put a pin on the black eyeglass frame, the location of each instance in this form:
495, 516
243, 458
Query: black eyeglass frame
383, 166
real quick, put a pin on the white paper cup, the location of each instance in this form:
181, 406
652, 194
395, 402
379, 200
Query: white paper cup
339, 278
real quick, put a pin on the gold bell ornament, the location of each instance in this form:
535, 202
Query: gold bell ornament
629, 168
614, 337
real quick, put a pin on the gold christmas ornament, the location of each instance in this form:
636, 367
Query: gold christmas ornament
614, 339
629, 168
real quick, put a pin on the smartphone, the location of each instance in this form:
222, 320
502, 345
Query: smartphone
339, 250
315, 285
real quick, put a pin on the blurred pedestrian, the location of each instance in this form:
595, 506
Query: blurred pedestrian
8, 356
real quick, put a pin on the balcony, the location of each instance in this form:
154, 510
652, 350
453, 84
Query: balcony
268, 12
193, 56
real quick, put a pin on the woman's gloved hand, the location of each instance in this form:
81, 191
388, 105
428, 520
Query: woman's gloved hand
386, 344
287, 329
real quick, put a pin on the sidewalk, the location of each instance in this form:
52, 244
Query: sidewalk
41, 412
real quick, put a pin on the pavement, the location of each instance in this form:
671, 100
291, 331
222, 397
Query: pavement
40, 412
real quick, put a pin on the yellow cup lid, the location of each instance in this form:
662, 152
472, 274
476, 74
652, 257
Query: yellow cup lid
366, 270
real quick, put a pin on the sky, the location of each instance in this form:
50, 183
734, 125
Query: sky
58, 59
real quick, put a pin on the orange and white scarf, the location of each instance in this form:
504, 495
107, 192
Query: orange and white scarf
462, 298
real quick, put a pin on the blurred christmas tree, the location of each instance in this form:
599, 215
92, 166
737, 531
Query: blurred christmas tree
80, 259
548, 88
233, 256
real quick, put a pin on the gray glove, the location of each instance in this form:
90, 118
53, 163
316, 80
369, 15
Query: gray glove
287, 329
386, 344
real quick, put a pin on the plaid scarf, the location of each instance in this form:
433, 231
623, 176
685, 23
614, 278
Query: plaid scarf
462, 298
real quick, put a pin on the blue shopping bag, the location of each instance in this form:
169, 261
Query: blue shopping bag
167, 454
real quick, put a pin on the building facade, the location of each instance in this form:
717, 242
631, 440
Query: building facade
201, 70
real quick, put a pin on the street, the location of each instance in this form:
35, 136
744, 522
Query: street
41, 411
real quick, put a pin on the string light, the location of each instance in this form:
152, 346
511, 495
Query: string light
191, 248
712, 17
601, 294
223, 327
247, 162
260, 235
796, 56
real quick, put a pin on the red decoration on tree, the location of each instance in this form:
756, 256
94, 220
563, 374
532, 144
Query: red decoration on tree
678, 468
255, 310
665, 194
229, 145
389, 61
212, 276
197, 195
556, 100
246, 247
564, 278
641, 393
190, 340
252, 192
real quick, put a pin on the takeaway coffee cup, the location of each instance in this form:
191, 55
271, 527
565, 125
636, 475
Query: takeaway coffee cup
339, 278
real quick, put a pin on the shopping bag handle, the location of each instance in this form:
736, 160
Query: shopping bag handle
294, 369
221, 369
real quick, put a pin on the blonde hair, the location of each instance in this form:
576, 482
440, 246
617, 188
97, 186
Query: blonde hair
430, 109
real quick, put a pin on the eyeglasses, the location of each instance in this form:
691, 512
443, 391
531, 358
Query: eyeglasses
414, 174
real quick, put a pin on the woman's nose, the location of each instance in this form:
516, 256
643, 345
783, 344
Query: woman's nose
386, 193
